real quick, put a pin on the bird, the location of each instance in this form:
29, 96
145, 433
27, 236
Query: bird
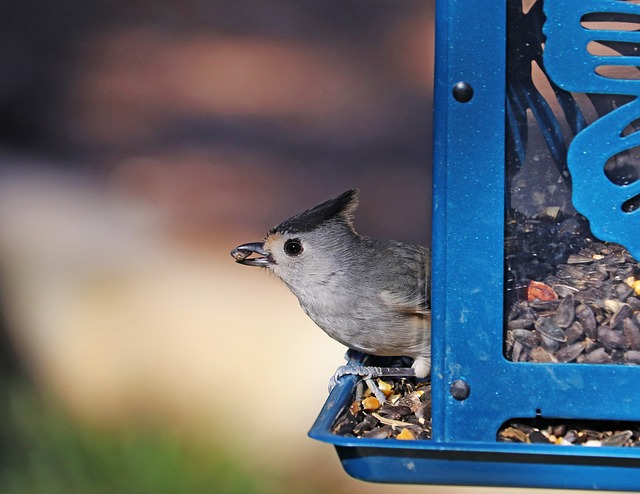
372, 295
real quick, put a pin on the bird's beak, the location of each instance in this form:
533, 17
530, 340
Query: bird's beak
242, 252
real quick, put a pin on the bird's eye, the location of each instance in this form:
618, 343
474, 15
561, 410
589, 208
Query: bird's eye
292, 247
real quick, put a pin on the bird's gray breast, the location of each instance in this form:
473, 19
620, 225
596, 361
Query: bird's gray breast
355, 315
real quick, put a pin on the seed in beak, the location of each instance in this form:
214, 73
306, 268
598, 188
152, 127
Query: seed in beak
241, 254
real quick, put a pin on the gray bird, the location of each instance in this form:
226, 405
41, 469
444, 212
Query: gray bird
369, 294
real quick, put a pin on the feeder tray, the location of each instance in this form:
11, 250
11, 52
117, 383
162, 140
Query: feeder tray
486, 463
536, 241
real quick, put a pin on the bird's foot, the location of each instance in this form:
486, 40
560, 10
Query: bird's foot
368, 374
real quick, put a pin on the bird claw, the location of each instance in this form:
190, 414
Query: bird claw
368, 373
377, 392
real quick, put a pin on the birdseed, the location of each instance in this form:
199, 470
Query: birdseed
570, 433
405, 415
570, 298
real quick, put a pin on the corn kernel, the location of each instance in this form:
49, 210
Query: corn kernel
406, 435
370, 403
385, 387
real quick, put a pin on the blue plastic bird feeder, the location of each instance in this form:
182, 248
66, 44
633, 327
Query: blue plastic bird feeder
536, 111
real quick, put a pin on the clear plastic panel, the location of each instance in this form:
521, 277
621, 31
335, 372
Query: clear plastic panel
570, 297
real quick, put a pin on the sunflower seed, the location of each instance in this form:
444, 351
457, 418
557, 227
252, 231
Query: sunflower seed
574, 333
516, 351
631, 333
622, 291
610, 338
564, 290
521, 324
550, 329
539, 354
632, 357
566, 312
624, 312
379, 432
578, 259
618, 439
598, 356
525, 337
587, 319
571, 352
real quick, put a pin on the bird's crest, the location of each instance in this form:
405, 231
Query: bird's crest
341, 207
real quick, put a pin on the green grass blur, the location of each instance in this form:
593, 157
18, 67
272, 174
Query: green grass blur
45, 451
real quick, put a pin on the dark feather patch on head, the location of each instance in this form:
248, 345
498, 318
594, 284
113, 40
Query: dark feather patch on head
342, 206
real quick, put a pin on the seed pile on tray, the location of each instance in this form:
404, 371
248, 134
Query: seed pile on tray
578, 433
573, 298
405, 415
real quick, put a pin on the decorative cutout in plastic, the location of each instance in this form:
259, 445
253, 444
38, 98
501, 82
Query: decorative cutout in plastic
593, 46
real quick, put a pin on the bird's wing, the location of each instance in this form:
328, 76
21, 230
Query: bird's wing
409, 293
406, 303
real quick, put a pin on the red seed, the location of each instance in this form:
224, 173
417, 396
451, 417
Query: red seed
537, 290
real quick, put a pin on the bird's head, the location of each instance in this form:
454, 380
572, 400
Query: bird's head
307, 245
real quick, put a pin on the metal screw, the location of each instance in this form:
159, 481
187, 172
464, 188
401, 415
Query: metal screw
462, 92
460, 390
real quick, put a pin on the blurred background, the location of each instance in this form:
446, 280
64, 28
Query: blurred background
139, 143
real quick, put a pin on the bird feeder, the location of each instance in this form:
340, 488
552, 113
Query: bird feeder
536, 242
